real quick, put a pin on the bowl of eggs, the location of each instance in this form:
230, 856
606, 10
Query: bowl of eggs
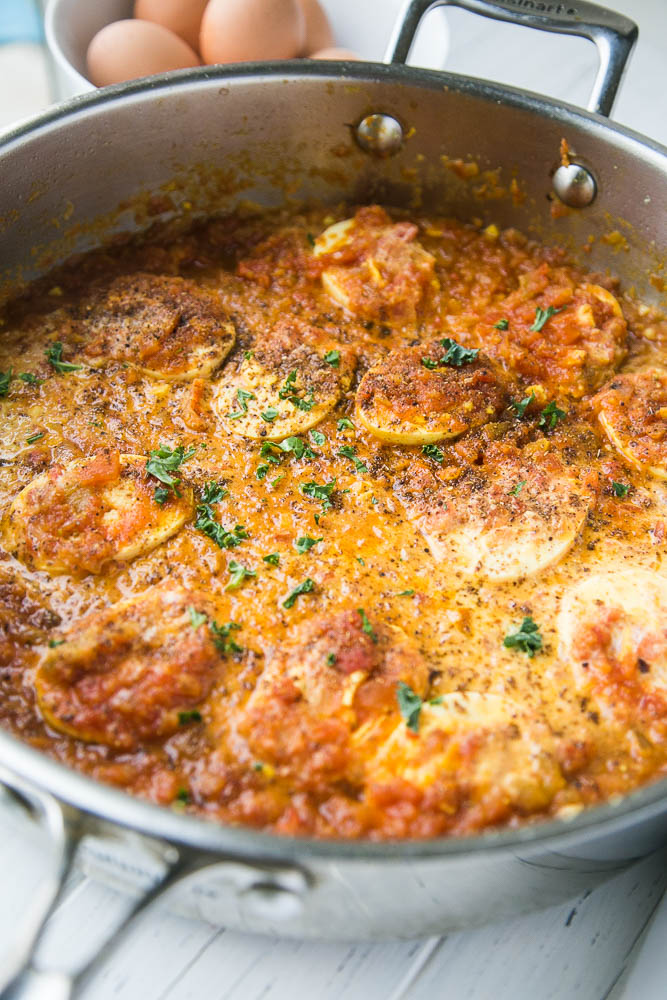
111, 41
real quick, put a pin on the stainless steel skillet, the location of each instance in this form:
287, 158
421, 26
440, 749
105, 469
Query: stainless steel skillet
203, 140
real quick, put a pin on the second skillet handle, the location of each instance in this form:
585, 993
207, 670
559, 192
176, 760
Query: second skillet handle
613, 34
66, 827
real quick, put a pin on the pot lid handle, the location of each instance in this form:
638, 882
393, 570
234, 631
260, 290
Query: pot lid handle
613, 34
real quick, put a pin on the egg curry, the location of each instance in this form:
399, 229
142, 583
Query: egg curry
344, 524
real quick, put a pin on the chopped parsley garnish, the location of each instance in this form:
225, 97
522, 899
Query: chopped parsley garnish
261, 471
161, 494
550, 416
432, 451
620, 490
54, 355
405, 593
273, 559
54, 643
305, 543
223, 537
213, 492
542, 316
26, 377
344, 424
318, 437
294, 445
221, 636
186, 717
366, 625
306, 587
37, 436
527, 638
197, 618
239, 574
321, 493
268, 451
311, 239
274, 482
5, 379
361, 561
456, 354
521, 407
206, 521
349, 451
305, 403
502, 324
243, 396
332, 358
288, 387
183, 795
297, 446
516, 489
269, 415
163, 461
331, 659
409, 705
247, 355
289, 393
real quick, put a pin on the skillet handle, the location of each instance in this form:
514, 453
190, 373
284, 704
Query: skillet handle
612, 34
21, 977
262, 888
64, 837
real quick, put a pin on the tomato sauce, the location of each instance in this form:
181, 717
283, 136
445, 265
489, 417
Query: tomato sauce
299, 514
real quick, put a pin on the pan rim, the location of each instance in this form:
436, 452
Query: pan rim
121, 809
111, 805
338, 70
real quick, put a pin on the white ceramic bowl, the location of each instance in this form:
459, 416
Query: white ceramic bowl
69, 26
363, 27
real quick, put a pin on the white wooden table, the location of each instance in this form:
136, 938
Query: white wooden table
611, 945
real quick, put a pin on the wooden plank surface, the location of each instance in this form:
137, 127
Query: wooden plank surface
574, 951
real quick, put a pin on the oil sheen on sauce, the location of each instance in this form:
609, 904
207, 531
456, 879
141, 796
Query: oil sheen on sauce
408, 576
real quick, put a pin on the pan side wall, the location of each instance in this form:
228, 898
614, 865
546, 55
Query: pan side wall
203, 144
111, 165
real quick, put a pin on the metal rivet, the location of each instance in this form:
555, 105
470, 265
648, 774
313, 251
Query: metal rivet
379, 134
575, 185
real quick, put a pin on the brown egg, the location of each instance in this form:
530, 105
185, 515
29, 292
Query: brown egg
334, 53
242, 30
318, 30
183, 17
125, 50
